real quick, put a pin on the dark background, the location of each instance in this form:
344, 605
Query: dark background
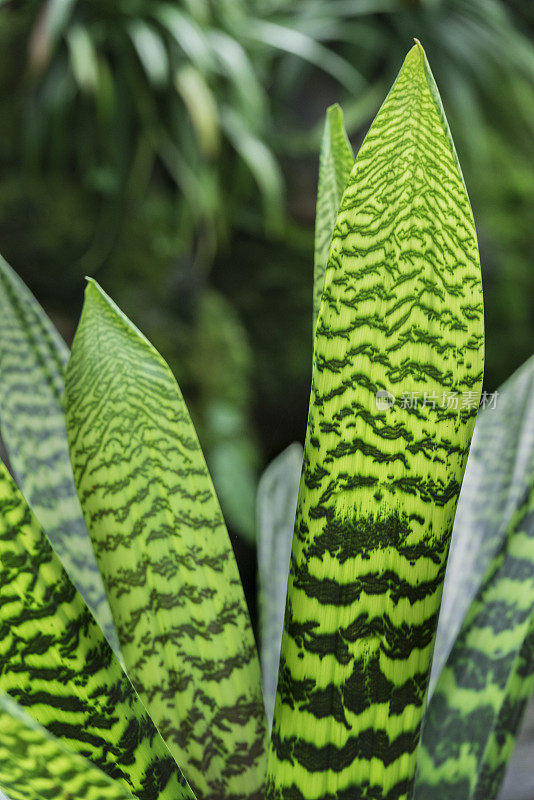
170, 150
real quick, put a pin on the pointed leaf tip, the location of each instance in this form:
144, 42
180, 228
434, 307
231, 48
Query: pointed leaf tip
145, 489
400, 312
334, 110
335, 164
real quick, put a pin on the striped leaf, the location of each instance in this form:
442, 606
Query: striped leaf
34, 765
335, 163
401, 316
33, 358
164, 554
57, 664
276, 505
476, 708
481, 692
499, 472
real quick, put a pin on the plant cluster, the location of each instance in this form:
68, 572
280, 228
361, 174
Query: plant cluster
128, 666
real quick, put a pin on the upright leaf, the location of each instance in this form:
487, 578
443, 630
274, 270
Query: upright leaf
502, 741
56, 663
276, 505
401, 319
33, 358
475, 710
34, 765
164, 554
499, 472
335, 163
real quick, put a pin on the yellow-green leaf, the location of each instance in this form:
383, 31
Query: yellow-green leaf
57, 664
34, 765
164, 554
484, 673
335, 163
398, 339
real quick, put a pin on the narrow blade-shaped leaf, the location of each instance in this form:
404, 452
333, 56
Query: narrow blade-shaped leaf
481, 692
164, 553
335, 163
299, 44
34, 765
276, 506
476, 708
497, 763
57, 664
499, 471
33, 358
401, 320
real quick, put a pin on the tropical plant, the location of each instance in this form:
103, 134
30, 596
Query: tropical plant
177, 710
76, 203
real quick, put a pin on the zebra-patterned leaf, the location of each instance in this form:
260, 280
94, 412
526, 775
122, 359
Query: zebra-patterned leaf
33, 358
474, 713
499, 472
34, 765
276, 505
164, 554
335, 163
481, 692
56, 663
399, 335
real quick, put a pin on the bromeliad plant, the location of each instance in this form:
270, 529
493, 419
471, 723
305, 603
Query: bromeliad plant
127, 662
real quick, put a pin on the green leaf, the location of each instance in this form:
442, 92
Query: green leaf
34, 765
498, 475
150, 50
401, 317
335, 163
33, 358
189, 36
164, 553
233, 61
51, 23
56, 663
202, 108
261, 163
83, 58
289, 40
475, 711
276, 505
481, 692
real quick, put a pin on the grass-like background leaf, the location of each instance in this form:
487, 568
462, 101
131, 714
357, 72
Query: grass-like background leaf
57, 664
276, 506
481, 692
401, 312
335, 163
300, 44
164, 553
34, 765
33, 358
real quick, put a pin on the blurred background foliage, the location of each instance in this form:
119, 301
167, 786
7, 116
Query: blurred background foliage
170, 150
